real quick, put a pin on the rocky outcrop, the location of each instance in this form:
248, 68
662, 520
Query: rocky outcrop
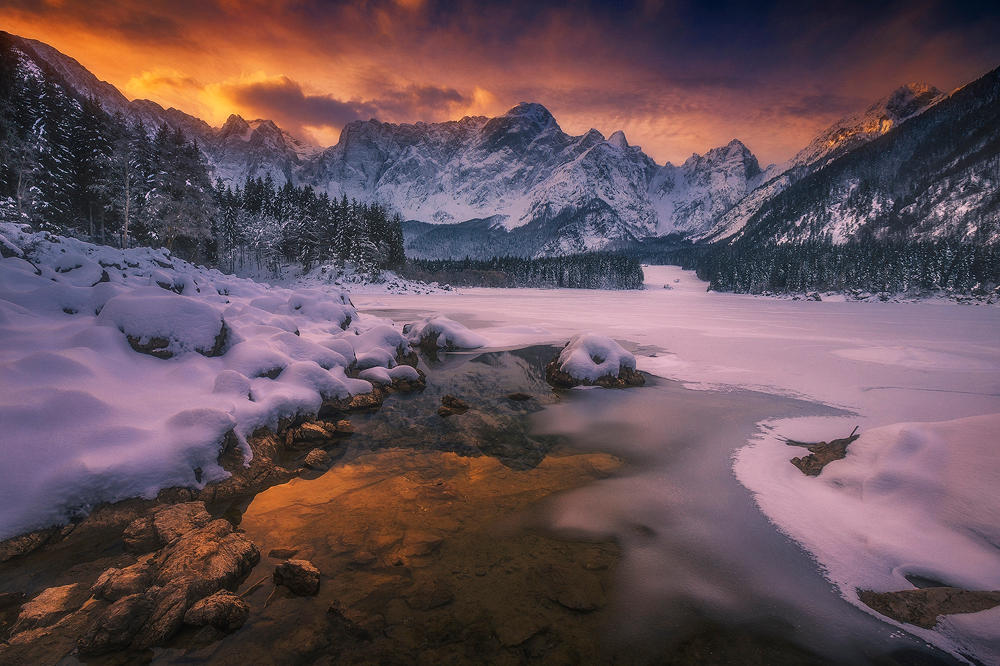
197, 558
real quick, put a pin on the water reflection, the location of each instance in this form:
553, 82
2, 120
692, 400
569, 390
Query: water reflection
575, 526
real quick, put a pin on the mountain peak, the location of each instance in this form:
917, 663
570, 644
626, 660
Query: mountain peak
533, 112
618, 139
910, 99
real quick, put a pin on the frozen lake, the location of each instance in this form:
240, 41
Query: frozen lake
876, 364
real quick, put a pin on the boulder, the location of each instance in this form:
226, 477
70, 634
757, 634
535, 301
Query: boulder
49, 606
299, 576
223, 610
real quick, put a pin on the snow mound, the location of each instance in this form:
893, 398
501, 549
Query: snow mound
86, 419
443, 333
589, 359
170, 322
910, 499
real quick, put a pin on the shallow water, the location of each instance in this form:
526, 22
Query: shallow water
584, 525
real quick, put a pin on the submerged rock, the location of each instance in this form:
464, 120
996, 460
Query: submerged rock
299, 576
223, 610
923, 607
317, 459
451, 405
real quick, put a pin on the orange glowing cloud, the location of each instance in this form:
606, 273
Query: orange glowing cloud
677, 77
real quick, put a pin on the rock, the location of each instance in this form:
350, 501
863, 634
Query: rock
223, 610
115, 584
50, 605
282, 553
317, 459
821, 454
176, 520
518, 397
813, 296
164, 525
347, 622
356, 403
309, 433
626, 377
430, 595
922, 607
169, 603
208, 559
452, 405
115, 628
299, 576
25, 543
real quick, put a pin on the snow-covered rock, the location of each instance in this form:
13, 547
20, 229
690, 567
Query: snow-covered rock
589, 359
443, 333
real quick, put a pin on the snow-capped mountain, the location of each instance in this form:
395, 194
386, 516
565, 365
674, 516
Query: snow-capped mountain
839, 139
518, 184
936, 176
692, 197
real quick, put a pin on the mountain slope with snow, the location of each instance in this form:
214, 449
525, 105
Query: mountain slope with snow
937, 176
842, 137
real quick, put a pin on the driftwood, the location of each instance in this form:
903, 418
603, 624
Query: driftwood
821, 453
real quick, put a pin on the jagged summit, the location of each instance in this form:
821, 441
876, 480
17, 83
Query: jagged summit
853, 131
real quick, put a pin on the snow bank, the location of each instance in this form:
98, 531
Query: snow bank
443, 333
88, 419
588, 357
910, 499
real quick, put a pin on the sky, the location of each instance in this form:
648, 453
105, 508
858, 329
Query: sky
677, 77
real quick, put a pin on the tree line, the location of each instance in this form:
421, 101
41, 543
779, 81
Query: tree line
877, 266
596, 270
263, 225
69, 167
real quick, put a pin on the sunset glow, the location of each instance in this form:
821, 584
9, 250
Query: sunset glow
677, 78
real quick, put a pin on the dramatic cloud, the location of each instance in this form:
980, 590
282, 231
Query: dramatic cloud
677, 76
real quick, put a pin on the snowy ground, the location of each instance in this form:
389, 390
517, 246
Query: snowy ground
917, 493
87, 418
